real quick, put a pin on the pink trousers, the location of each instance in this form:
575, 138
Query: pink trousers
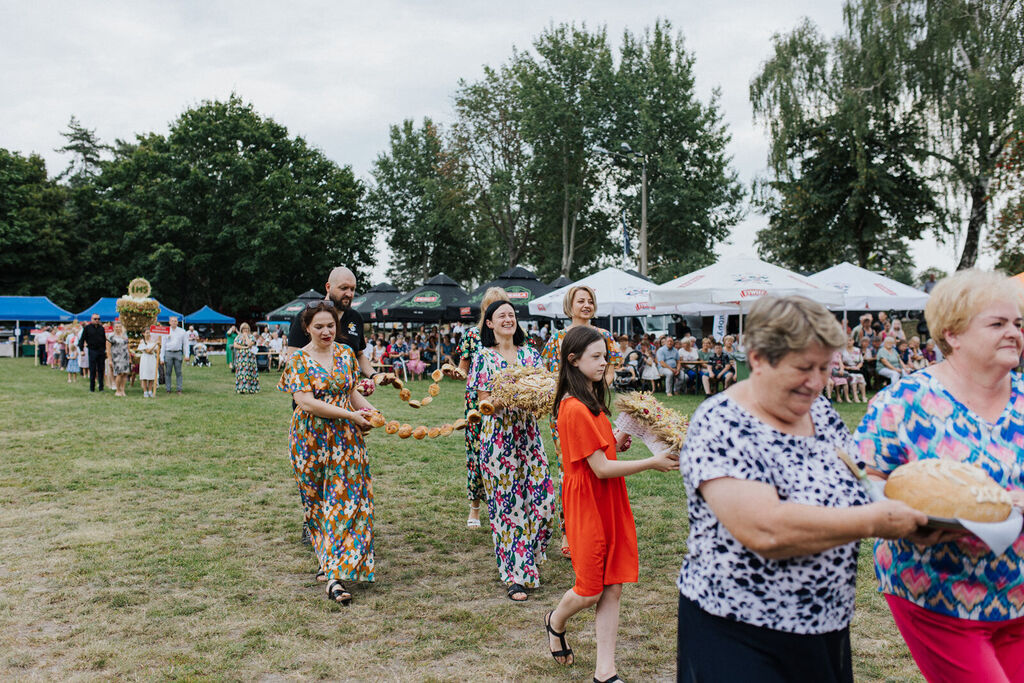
952, 650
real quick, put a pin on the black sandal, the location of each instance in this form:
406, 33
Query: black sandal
565, 653
321, 576
517, 589
336, 592
613, 679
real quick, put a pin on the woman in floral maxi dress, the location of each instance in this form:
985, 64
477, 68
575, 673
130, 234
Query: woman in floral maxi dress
328, 453
469, 347
514, 467
247, 373
580, 305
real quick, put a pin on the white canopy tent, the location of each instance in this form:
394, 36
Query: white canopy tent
741, 281
865, 290
618, 294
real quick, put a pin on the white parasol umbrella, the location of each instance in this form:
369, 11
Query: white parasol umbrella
866, 290
618, 294
741, 281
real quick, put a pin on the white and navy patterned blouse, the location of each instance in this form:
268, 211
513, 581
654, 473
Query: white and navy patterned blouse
810, 594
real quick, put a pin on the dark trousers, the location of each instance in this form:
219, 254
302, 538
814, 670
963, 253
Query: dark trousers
712, 649
97, 366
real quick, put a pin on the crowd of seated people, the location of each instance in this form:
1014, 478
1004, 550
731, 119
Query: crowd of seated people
877, 352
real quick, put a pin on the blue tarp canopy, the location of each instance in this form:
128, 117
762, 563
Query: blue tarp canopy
32, 308
208, 316
107, 308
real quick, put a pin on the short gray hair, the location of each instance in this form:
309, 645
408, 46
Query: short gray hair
777, 326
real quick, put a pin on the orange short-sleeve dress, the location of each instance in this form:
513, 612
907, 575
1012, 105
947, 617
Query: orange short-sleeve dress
598, 518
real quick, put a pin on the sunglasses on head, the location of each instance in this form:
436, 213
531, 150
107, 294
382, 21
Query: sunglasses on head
322, 302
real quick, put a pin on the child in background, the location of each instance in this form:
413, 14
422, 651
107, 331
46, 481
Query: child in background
598, 519
73, 353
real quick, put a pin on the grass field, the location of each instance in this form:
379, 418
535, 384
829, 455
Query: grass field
159, 539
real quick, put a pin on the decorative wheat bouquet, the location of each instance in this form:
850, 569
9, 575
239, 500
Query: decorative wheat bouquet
644, 417
136, 310
530, 390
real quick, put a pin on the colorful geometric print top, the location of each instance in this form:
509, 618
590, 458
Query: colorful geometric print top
918, 418
552, 353
334, 385
808, 594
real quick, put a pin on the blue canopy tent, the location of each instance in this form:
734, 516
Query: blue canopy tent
208, 316
30, 309
107, 309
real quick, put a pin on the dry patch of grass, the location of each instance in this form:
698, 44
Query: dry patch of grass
159, 539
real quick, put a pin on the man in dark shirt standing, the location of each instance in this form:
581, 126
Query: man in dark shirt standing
95, 338
341, 289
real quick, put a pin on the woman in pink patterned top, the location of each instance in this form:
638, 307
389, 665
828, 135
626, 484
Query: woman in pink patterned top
958, 605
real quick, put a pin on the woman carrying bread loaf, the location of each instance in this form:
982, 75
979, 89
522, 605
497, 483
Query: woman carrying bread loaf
328, 452
469, 347
513, 465
768, 583
580, 306
958, 605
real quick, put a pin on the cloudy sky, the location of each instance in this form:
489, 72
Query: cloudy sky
339, 73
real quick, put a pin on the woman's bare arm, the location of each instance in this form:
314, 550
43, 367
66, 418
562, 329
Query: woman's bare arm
753, 513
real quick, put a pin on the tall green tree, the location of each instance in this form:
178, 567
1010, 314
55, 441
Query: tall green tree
227, 209
94, 266
845, 148
33, 245
968, 77
694, 197
421, 201
565, 89
488, 136
1007, 237
855, 197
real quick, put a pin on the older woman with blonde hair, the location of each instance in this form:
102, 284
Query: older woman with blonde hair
958, 605
767, 587
579, 305
469, 347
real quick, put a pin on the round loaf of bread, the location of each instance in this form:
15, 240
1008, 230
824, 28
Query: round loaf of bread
946, 488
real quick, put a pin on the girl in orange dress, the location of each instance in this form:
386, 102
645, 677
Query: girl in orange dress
598, 519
